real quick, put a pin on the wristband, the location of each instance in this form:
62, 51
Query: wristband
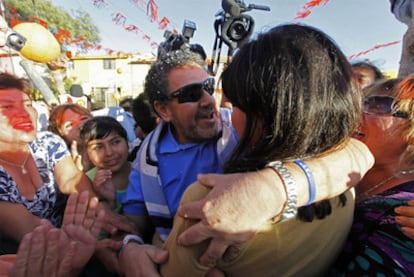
129, 238
311, 180
290, 210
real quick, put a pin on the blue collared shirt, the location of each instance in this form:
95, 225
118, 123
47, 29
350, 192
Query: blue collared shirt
179, 165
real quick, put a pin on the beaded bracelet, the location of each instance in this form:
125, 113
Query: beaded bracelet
290, 210
311, 180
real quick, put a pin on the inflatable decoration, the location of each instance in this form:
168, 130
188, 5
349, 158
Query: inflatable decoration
41, 46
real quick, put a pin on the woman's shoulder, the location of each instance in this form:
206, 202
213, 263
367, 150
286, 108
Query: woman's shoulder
46, 136
49, 140
48, 143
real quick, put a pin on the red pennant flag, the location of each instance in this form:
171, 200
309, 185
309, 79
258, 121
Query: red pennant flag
63, 36
119, 19
163, 23
302, 14
100, 3
314, 3
132, 28
377, 46
38, 20
152, 10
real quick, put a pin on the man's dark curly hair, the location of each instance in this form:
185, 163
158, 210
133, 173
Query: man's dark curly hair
156, 81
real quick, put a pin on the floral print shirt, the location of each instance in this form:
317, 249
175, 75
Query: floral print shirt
48, 202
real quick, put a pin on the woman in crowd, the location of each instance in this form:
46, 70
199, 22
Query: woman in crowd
36, 169
377, 243
105, 142
66, 120
293, 97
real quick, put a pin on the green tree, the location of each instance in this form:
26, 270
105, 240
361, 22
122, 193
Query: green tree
79, 24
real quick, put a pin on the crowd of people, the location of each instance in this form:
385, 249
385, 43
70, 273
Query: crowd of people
309, 171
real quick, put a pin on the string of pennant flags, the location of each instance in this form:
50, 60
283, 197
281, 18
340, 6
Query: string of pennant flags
151, 10
64, 37
306, 10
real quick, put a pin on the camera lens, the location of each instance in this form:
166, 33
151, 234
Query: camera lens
239, 29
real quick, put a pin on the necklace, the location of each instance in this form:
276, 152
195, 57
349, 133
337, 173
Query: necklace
398, 174
22, 166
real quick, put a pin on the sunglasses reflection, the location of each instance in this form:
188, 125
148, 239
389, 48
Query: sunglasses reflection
382, 105
193, 92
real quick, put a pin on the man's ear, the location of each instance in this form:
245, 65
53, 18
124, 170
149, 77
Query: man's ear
162, 110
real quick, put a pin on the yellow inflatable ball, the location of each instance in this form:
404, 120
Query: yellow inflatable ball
41, 46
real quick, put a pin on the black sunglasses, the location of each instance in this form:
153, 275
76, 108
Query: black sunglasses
382, 105
193, 92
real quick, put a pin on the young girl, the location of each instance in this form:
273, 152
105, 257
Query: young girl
105, 142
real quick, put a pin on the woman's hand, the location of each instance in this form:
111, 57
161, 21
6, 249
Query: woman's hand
46, 251
237, 207
405, 217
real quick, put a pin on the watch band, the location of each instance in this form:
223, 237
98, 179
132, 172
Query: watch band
129, 238
290, 210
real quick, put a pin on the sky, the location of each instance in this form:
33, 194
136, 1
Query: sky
355, 25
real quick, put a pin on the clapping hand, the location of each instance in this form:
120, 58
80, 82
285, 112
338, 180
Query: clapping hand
82, 222
49, 251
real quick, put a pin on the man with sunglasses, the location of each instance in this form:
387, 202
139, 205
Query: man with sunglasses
193, 137
182, 145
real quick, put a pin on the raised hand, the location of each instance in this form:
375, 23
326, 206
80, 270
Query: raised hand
76, 157
82, 222
47, 251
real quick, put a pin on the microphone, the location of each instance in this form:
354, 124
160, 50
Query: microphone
231, 7
259, 7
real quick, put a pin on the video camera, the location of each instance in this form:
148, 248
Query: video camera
175, 41
232, 27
